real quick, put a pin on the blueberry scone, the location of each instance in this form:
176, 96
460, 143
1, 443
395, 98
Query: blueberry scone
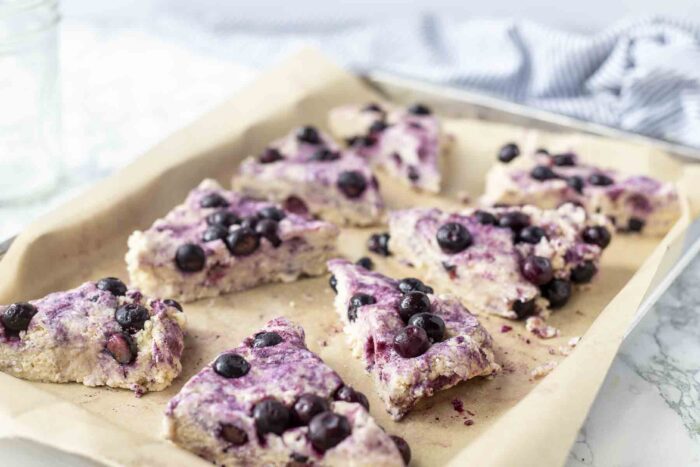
413, 342
634, 203
407, 143
307, 170
271, 401
513, 261
218, 241
99, 334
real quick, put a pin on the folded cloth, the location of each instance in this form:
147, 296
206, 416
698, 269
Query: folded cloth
641, 75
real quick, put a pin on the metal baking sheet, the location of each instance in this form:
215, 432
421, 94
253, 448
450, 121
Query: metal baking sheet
459, 103
456, 102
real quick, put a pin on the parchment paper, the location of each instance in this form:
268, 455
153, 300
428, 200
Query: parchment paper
511, 419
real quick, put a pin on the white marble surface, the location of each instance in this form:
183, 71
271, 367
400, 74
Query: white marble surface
124, 89
648, 411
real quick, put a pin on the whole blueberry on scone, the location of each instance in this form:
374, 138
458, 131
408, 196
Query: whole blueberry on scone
206, 246
412, 342
101, 333
408, 144
281, 407
514, 262
334, 184
637, 203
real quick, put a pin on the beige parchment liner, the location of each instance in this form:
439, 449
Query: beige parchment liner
517, 420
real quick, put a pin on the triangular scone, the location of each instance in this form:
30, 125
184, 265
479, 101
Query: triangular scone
271, 401
307, 170
387, 323
511, 262
408, 143
634, 203
99, 334
218, 241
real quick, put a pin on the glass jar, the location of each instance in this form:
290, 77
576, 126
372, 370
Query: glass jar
29, 99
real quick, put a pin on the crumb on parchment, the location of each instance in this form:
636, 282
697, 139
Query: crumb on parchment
569, 347
538, 327
543, 370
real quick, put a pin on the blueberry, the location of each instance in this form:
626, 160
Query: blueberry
231, 365
267, 228
433, 325
112, 285
542, 151
508, 152
576, 183
411, 341
379, 244
214, 232
296, 205
531, 234
270, 155
558, 292
600, 180
351, 183
325, 155
403, 448
372, 107
453, 237
410, 284
131, 317
583, 273
635, 224
234, 435
564, 160
596, 235
515, 220
365, 262
242, 242
266, 339
190, 258
523, 308
419, 109
327, 430
378, 126
412, 173
333, 282
223, 218
356, 301
173, 303
213, 200
17, 316
542, 173
307, 406
485, 218
537, 269
271, 212
308, 134
413, 303
249, 222
122, 348
362, 141
271, 416
348, 394
298, 460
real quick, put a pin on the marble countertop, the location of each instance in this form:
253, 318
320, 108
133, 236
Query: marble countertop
124, 89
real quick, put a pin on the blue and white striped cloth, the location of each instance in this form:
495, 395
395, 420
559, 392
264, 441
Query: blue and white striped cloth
640, 75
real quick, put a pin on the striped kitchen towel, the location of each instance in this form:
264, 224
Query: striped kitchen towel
640, 75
